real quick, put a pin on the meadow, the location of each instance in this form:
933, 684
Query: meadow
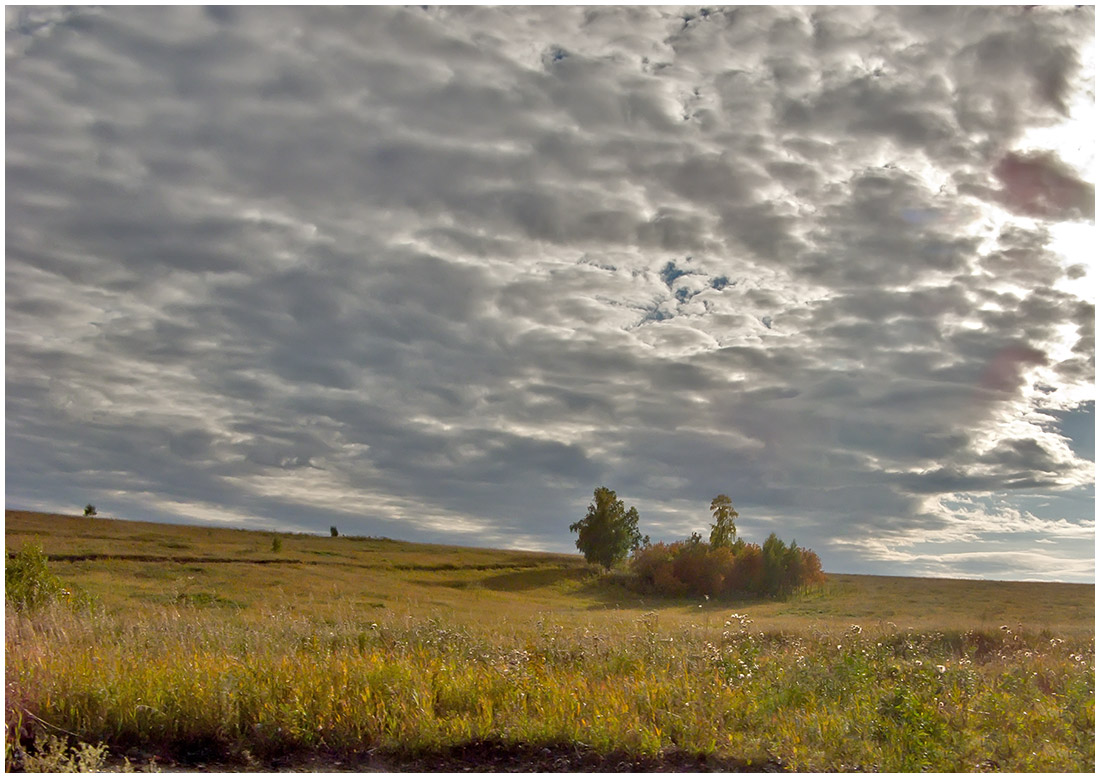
207, 648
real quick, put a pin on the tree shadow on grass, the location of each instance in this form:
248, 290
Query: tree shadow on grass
615, 590
524, 580
609, 590
516, 580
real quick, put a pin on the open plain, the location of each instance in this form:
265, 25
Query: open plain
209, 648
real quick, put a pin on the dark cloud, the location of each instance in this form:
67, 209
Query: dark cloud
435, 273
1042, 185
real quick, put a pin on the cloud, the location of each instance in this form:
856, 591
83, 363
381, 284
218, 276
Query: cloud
436, 273
1042, 185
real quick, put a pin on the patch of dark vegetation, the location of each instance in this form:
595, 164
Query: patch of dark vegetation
199, 749
213, 755
175, 544
445, 566
531, 579
498, 756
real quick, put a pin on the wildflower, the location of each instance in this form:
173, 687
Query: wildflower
855, 629
941, 669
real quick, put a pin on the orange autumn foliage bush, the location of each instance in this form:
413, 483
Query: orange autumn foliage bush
692, 567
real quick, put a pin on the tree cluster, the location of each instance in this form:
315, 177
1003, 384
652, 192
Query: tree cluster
690, 567
608, 534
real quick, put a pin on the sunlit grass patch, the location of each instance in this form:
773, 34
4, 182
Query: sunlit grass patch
857, 700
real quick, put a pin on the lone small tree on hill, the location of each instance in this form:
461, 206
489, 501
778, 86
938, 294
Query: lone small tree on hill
89, 510
608, 532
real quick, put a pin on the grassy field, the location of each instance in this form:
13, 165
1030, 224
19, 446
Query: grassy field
207, 646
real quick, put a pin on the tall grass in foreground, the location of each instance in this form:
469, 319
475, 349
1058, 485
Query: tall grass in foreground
210, 684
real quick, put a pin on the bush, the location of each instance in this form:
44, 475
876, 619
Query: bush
276, 544
702, 568
334, 532
52, 754
28, 582
649, 560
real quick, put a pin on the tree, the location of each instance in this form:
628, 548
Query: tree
334, 532
608, 532
775, 563
89, 510
723, 528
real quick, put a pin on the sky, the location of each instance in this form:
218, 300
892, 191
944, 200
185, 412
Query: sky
437, 273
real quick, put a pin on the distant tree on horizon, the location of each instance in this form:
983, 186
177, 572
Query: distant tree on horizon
89, 510
608, 532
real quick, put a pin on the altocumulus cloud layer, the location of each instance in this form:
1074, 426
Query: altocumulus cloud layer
436, 273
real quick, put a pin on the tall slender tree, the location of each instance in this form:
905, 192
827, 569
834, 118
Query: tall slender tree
723, 529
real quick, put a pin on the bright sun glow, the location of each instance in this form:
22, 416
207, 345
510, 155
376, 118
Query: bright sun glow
1074, 140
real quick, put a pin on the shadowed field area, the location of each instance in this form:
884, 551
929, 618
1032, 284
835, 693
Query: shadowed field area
207, 646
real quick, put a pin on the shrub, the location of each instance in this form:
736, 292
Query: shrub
52, 754
666, 582
334, 532
650, 561
28, 582
89, 510
276, 544
702, 568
